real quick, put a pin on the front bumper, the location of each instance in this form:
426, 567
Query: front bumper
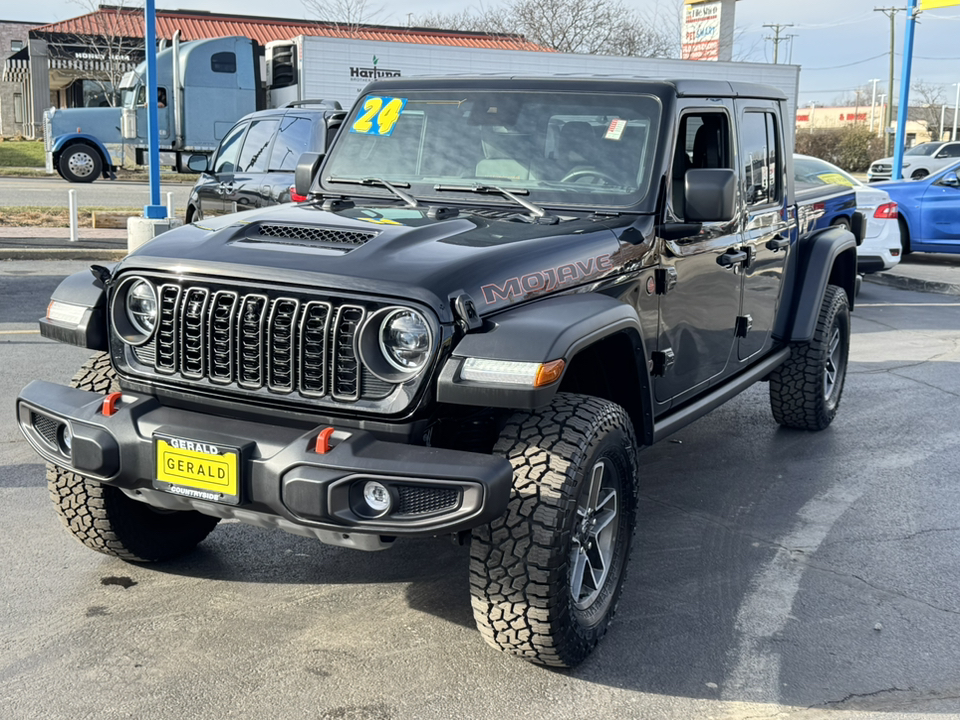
283, 481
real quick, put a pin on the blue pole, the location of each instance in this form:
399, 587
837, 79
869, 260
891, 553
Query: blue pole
154, 209
904, 90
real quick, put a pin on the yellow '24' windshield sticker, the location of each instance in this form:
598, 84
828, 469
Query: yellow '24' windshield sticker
835, 179
378, 116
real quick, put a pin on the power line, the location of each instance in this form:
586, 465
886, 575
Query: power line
777, 39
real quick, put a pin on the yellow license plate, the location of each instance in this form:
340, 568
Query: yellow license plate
199, 470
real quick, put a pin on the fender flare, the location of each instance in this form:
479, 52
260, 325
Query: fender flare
543, 331
828, 256
61, 142
81, 290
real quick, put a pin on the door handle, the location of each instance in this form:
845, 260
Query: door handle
778, 243
732, 257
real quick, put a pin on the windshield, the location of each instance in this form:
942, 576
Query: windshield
923, 149
813, 171
562, 148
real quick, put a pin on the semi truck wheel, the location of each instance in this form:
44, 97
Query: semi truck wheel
103, 518
80, 163
805, 391
546, 577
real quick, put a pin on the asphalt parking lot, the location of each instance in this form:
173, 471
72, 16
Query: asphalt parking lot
775, 574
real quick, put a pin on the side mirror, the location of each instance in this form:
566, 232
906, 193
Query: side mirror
950, 180
198, 163
710, 195
307, 167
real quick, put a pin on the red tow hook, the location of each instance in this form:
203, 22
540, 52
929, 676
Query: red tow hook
110, 403
323, 441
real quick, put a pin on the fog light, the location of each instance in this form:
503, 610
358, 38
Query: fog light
377, 497
66, 436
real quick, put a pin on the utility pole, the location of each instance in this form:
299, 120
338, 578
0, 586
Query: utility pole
777, 39
890, 12
873, 105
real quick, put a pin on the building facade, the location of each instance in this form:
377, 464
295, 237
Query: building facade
14, 93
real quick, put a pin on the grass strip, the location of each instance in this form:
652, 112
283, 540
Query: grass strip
59, 217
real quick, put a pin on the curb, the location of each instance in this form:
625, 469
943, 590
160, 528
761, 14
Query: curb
61, 254
916, 284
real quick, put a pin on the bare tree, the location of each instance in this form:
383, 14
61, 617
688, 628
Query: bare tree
345, 14
607, 27
929, 106
108, 44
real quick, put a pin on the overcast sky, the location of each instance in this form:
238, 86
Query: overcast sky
840, 44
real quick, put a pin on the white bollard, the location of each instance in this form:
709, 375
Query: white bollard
74, 233
170, 205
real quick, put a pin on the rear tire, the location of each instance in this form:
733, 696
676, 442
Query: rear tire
546, 577
80, 163
805, 391
904, 237
103, 518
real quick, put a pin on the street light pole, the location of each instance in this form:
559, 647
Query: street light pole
873, 104
956, 109
883, 106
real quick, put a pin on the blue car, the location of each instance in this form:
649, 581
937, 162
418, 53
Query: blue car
929, 211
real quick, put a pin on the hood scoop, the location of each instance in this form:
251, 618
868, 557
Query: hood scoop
341, 240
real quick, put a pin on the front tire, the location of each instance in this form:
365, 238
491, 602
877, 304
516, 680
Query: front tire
546, 577
919, 174
80, 163
805, 391
103, 518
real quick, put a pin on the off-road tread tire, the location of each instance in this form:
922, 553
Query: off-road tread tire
796, 387
519, 563
103, 518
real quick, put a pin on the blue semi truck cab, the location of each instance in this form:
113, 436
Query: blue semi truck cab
202, 88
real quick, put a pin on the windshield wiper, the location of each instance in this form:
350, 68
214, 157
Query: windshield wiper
380, 182
494, 190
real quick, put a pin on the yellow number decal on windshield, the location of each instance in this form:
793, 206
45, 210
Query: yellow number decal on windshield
379, 116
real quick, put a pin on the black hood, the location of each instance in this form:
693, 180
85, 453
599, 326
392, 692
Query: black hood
497, 256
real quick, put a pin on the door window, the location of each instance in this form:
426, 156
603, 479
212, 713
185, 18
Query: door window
292, 141
762, 165
703, 143
253, 156
950, 151
226, 161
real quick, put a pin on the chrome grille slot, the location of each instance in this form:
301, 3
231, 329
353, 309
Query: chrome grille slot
281, 352
346, 364
250, 335
314, 327
332, 236
167, 329
193, 315
222, 336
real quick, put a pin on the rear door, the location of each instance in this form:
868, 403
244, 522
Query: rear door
242, 190
766, 230
210, 188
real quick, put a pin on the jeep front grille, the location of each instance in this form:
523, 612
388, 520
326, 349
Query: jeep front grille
260, 341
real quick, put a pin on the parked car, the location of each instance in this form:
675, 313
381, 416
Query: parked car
880, 249
918, 162
929, 211
254, 165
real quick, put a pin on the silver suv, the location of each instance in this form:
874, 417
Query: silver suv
918, 162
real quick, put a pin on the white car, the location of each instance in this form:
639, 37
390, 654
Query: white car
918, 162
881, 246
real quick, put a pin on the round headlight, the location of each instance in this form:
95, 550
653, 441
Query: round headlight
405, 340
142, 306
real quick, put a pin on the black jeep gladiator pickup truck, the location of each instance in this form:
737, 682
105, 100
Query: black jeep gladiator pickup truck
498, 291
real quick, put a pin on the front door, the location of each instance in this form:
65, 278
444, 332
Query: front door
700, 296
940, 215
242, 190
210, 192
767, 232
